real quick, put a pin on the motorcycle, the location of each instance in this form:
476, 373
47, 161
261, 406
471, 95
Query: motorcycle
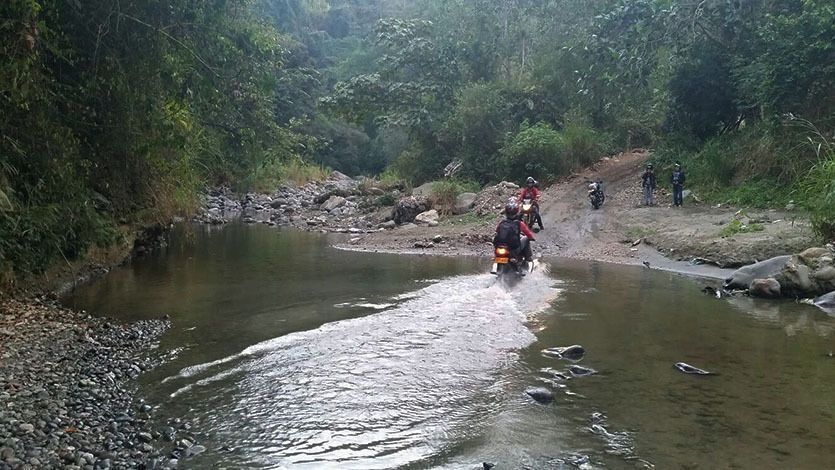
528, 211
506, 261
596, 196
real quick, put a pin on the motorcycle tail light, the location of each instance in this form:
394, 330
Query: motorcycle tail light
502, 251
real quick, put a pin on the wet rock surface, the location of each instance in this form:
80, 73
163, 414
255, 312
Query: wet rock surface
809, 273
67, 390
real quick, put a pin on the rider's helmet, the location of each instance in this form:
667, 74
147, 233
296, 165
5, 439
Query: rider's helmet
592, 186
678, 165
530, 181
511, 210
649, 166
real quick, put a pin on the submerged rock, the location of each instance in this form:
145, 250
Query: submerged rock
540, 394
574, 352
580, 371
826, 302
688, 369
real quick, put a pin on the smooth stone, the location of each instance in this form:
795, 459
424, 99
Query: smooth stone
540, 394
688, 369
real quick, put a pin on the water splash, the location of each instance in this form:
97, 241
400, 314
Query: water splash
383, 390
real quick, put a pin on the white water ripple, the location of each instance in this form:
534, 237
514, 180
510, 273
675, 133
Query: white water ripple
383, 390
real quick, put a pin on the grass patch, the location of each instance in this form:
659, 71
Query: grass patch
445, 192
268, 177
636, 233
736, 226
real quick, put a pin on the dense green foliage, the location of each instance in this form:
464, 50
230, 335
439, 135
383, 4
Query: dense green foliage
115, 112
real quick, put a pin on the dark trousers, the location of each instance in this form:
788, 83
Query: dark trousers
678, 199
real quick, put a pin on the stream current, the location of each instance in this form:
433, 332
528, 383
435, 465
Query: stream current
286, 353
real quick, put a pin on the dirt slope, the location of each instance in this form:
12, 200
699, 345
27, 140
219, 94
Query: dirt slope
573, 229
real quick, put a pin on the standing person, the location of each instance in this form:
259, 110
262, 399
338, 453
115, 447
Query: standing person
531, 191
678, 179
648, 183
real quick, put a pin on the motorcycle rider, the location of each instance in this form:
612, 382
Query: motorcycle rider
677, 179
594, 188
648, 184
514, 233
531, 191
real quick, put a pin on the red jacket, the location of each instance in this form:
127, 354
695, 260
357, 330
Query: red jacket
524, 229
532, 193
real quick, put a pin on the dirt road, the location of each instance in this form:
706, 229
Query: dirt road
683, 239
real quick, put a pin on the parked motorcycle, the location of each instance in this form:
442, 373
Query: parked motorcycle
596, 196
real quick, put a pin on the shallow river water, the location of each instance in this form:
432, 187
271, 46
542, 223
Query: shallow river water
290, 354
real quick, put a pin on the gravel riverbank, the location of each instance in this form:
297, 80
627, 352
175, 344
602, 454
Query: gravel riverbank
67, 391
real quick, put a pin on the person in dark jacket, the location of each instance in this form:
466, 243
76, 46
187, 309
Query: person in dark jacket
514, 233
648, 184
677, 179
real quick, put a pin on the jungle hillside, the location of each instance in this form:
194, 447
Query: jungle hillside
116, 114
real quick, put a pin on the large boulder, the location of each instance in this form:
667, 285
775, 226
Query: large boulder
744, 276
429, 218
408, 208
765, 288
333, 202
464, 203
424, 190
806, 274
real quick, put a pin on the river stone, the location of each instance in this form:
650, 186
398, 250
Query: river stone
580, 371
429, 217
825, 274
540, 394
573, 352
765, 288
332, 203
796, 278
388, 225
464, 203
826, 302
811, 255
408, 208
742, 277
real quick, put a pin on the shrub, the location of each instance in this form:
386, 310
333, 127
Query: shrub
267, 178
446, 191
535, 150
817, 189
582, 145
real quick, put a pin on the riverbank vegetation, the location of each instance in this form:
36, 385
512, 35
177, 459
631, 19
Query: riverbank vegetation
120, 113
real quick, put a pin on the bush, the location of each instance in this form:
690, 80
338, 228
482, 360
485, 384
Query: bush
582, 145
269, 177
817, 188
535, 150
446, 191
751, 167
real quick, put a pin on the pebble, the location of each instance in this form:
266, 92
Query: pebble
67, 400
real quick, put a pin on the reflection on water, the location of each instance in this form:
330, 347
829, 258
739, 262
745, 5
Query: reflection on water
293, 355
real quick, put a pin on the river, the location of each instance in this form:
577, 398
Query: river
287, 353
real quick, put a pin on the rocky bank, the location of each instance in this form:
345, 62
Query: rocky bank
67, 384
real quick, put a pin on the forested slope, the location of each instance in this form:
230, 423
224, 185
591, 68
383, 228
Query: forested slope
121, 112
